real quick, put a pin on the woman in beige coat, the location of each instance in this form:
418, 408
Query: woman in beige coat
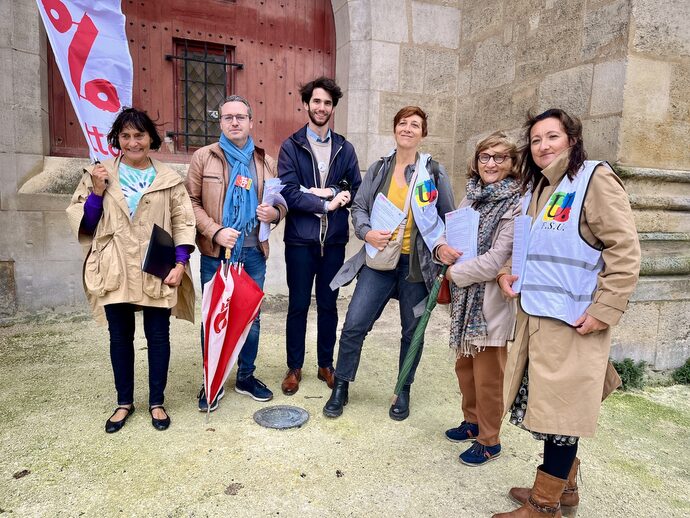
482, 320
112, 213
582, 265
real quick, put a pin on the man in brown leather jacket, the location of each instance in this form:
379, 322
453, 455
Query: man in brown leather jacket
225, 181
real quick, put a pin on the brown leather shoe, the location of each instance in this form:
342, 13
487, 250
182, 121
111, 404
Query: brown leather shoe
291, 382
326, 374
569, 499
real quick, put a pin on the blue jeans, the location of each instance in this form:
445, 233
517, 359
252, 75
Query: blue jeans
255, 265
373, 291
304, 264
157, 331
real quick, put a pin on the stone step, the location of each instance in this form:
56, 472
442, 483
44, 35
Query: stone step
661, 182
665, 258
654, 220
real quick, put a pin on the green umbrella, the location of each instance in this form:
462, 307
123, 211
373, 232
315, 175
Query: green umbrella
418, 334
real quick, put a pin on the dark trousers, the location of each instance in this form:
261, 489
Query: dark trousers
305, 264
157, 331
373, 291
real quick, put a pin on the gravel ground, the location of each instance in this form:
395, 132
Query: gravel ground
56, 392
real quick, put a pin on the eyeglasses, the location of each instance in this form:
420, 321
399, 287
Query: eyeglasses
485, 157
240, 117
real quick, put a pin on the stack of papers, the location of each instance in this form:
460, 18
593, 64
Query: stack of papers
523, 224
385, 215
462, 227
272, 196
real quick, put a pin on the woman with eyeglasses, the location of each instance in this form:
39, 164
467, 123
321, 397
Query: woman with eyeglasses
402, 266
112, 213
582, 264
482, 320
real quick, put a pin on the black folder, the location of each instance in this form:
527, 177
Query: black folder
160, 256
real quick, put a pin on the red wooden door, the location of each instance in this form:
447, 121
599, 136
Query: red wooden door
279, 43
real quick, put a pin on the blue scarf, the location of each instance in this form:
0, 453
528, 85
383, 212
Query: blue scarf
239, 209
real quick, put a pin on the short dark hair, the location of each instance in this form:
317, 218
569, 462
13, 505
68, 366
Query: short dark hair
531, 172
324, 82
409, 111
137, 119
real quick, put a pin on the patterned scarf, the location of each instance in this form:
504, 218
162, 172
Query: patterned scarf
468, 332
239, 209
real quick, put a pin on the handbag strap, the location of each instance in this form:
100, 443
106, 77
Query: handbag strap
406, 208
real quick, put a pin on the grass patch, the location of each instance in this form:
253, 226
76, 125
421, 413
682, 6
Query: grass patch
631, 373
682, 374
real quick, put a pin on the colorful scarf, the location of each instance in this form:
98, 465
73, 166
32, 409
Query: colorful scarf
239, 209
468, 331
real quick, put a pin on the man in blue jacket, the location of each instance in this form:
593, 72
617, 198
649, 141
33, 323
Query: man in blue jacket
320, 172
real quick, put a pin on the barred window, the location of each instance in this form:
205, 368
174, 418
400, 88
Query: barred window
203, 80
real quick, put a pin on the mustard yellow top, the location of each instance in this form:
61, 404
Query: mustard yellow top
397, 195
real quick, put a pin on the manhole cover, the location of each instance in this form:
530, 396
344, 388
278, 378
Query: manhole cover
281, 417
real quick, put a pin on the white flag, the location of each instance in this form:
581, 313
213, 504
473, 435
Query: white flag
90, 46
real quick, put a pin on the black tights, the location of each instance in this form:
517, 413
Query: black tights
558, 459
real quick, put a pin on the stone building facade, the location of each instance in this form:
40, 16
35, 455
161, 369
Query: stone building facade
622, 66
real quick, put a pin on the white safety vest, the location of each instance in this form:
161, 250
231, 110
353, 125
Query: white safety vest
561, 269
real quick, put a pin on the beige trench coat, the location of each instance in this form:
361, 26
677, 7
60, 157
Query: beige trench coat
115, 253
569, 374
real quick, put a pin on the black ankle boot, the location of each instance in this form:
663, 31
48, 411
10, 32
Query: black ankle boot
401, 409
338, 399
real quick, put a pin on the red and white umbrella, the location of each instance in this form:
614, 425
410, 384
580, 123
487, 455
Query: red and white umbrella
230, 303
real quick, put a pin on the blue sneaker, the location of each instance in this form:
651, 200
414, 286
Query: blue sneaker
465, 432
253, 388
203, 404
478, 454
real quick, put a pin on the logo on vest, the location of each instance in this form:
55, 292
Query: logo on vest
425, 192
558, 210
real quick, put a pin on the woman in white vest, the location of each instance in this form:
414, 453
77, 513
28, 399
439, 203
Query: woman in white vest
582, 264
395, 264
482, 320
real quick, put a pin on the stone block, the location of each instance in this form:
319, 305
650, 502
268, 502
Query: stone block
601, 137
26, 26
26, 72
440, 72
60, 243
390, 104
388, 21
28, 130
662, 221
6, 80
441, 150
385, 66
636, 335
440, 112
342, 66
412, 74
606, 30
341, 17
26, 240
569, 89
7, 128
661, 27
374, 108
679, 93
41, 286
29, 166
6, 25
524, 99
360, 20
664, 145
435, 25
357, 114
360, 65
493, 64
539, 52
674, 335
8, 174
379, 145
361, 144
607, 88
464, 81
8, 289
482, 19
647, 89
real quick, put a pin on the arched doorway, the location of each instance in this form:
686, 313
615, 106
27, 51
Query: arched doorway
188, 55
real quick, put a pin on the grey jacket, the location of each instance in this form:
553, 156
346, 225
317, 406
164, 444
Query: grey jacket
377, 179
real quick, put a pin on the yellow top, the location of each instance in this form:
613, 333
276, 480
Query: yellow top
397, 195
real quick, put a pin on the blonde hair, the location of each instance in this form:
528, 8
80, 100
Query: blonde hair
497, 138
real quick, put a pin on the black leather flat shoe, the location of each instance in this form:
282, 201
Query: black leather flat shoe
115, 426
401, 409
160, 424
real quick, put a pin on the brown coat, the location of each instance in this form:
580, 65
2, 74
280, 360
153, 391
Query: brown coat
567, 371
114, 254
207, 183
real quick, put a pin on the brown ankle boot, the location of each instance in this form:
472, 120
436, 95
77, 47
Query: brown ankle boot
570, 497
544, 499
